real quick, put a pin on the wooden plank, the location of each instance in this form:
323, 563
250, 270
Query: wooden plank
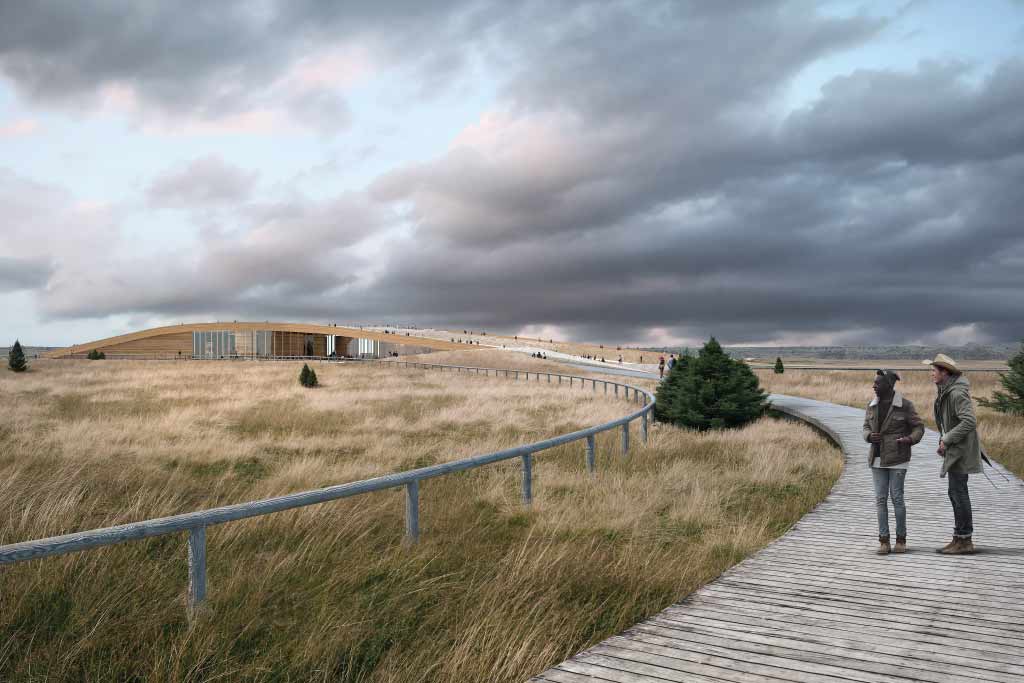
911, 654
840, 634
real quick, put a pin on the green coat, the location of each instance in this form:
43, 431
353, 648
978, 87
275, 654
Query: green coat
901, 420
954, 414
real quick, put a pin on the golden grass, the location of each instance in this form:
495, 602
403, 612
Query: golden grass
494, 591
1002, 435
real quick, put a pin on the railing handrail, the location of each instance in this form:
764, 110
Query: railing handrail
199, 520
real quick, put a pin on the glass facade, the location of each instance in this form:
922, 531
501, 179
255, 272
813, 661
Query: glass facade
369, 348
226, 344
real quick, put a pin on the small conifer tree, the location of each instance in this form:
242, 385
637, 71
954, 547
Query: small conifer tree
779, 367
96, 355
16, 358
666, 407
307, 377
712, 391
1012, 399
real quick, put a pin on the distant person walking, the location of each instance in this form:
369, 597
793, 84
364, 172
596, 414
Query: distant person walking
671, 361
959, 447
661, 367
892, 426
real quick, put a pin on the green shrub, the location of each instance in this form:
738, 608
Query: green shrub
307, 377
779, 367
666, 407
96, 355
710, 391
1012, 400
16, 358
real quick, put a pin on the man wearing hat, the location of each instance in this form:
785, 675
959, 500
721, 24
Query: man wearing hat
959, 447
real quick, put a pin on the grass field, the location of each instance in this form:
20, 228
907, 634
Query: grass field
494, 591
1002, 435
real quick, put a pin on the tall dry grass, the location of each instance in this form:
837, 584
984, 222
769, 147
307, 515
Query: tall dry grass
494, 591
1002, 435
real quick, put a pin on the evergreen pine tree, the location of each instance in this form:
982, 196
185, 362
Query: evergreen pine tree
1012, 400
779, 367
714, 392
304, 375
313, 381
665, 403
16, 358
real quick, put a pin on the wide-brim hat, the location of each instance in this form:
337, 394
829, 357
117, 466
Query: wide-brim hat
943, 361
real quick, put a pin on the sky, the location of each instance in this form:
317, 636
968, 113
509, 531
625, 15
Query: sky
768, 172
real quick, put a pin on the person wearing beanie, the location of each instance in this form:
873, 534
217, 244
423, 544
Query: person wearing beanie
892, 426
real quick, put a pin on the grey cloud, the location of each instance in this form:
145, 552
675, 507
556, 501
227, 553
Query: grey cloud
202, 182
213, 60
928, 116
19, 273
289, 253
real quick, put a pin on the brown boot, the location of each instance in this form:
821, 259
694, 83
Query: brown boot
901, 545
949, 546
883, 546
964, 546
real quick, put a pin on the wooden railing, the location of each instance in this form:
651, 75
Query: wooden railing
195, 523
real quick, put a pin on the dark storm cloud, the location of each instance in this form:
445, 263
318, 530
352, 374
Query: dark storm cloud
886, 209
639, 172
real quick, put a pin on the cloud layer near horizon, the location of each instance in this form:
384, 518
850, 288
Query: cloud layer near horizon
639, 175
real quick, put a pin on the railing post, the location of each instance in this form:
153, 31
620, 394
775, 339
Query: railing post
570, 381
549, 378
605, 383
616, 390
559, 379
196, 568
593, 385
643, 429
527, 479
625, 439
412, 512
590, 454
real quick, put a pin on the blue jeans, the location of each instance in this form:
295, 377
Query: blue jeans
963, 520
890, 483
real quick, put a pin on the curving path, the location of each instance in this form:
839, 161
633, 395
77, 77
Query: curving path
819, 605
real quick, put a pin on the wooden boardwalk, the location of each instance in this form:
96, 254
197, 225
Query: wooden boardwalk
819, 605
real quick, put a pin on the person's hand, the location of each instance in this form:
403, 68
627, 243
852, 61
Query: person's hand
875, 437
904, 440
942, 448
